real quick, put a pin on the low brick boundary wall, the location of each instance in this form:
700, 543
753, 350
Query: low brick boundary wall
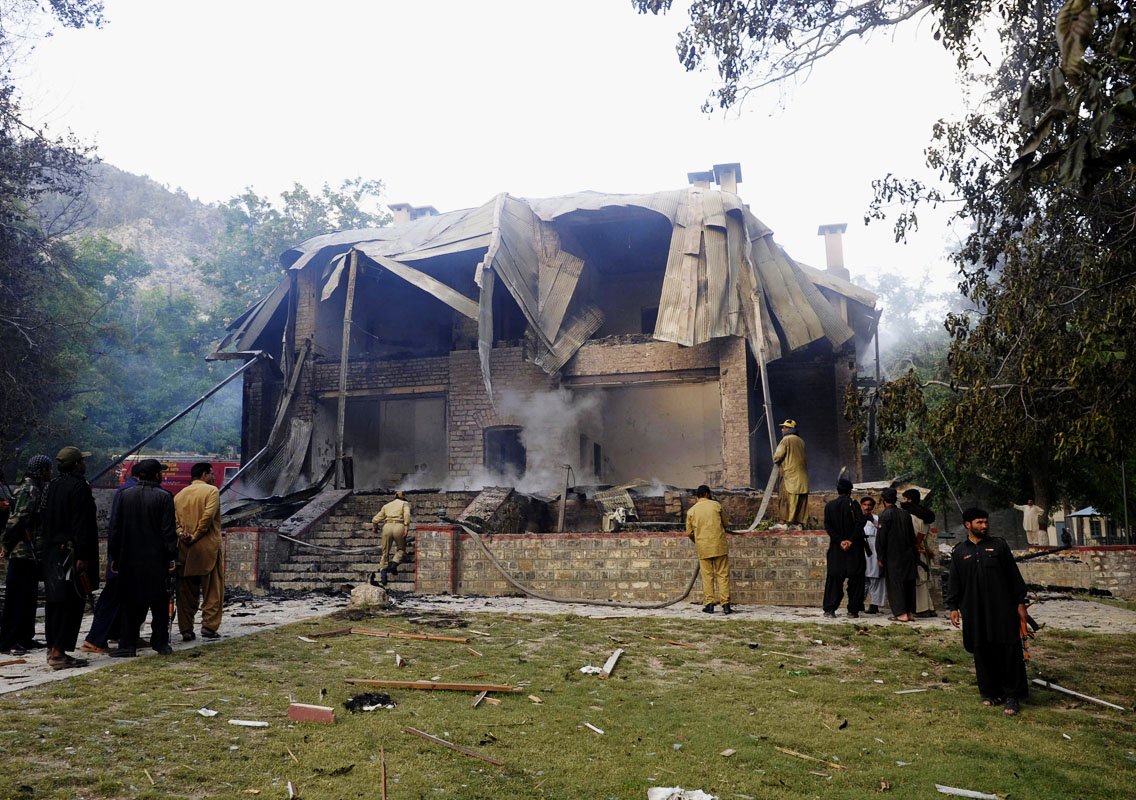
1109, 569
766, 568
250, 554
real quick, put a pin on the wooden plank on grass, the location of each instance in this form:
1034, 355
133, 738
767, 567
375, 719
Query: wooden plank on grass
787, 751
477, 700
671, 641
398, 635
1071, 693
456, 747
433, 685
609, 665
325, 634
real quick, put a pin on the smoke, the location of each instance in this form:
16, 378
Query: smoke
551, 424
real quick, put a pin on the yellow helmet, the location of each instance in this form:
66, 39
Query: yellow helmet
789, 423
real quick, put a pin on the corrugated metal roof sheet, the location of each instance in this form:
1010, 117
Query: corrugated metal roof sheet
722, 262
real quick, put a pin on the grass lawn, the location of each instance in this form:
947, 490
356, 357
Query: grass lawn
667, 712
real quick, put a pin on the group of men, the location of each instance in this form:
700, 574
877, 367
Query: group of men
884, 558
158, 546
888, 558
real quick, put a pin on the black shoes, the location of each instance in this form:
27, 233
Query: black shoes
830, 614
208, 634
383, 577
727, 608
708, 608
854, 614
122, 652
164, 650
872, 609
188, 637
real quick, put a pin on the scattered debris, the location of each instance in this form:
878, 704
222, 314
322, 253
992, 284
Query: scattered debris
1048, 685
588, 669
303, 712
477, 700
332, 773
592, 727
678, 793
535, 699
824, 775
478, 633
965, 793
493, 701
248, 723
787, 751
609, 665
149, 776
251, 791
786, 655
292, 793
843, 724
1066, 736
368, 701
910, 691
429, 637
399, 661
454, 687
13, 662
729, 751
473, 652
903, 763
457, 747
327, 634
293, 755
885, 786
877, 680
515, 618
383, 772
307, 639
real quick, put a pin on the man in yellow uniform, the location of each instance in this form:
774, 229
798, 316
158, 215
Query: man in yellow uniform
198, 511
394, 518
790, 457
706, 527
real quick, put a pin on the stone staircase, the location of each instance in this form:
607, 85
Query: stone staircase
348, 527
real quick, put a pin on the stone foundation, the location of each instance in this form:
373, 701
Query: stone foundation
1108, 569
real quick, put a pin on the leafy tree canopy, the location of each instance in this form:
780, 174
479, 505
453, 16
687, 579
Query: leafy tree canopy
256, 231
1039, 376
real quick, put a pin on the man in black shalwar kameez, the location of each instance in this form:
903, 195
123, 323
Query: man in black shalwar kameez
895, 549
844, 523
987, 591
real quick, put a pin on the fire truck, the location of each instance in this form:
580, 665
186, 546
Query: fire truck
176, 477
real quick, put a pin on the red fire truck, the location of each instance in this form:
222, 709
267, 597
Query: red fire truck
176, 477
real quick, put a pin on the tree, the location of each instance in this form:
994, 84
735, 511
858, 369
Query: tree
1040, 374
256, 232
37, 317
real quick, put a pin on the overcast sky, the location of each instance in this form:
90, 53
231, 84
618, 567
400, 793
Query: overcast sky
450, 102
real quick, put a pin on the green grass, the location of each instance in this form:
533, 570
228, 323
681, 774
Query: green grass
667, 713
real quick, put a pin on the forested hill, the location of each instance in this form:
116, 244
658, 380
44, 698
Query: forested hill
167, 228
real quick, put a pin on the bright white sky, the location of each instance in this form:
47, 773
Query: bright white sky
450, 102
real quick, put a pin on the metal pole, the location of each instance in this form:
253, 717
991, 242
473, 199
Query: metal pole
341, 420
758, 302
1124, 495
257, 357
563, 499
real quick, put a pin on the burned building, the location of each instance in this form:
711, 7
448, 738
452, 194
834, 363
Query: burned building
627, 337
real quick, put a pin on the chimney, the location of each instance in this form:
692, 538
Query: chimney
728, 176
404, 212
834, 248
700, 179
400, 212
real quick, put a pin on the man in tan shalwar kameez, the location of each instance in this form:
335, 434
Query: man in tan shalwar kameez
706, 527
198, 511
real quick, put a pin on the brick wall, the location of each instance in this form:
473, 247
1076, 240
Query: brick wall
378, 376
766, 569
1109, 569
250, 554
627, 355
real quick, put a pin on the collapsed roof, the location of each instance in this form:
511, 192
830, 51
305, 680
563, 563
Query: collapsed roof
723, 276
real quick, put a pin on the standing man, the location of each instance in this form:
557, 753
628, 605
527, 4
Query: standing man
70, 555
1031, 522
896, 543
108, 608
875, 589
921, 519
143, 550
790, 457
986, 592
22, 543
706, 527
394, 518
844, 523
198, 508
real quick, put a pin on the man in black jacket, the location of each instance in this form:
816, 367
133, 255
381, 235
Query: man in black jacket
844, 523
895, 550
143, 551
987, 595
70, 557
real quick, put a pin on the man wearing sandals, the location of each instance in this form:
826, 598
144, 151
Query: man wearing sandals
987, 594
